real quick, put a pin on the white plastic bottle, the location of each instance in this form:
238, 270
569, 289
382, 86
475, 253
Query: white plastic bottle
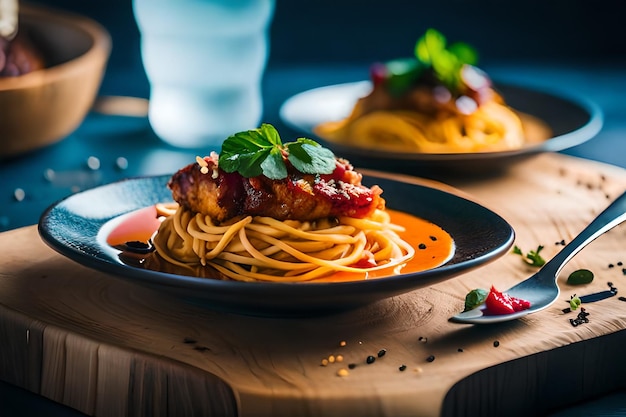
205, 60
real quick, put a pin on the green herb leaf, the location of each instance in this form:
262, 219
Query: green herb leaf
574, 302
579, 277
532, 257
273, 166
464, 53
309, 157
447, 61
261, 152
475, 298
430, 46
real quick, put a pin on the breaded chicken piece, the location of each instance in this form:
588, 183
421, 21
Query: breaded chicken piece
203, 187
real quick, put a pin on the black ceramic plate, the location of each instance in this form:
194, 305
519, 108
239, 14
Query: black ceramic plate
72, 228
572, 120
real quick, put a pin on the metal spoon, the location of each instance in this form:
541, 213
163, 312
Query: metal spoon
541, 288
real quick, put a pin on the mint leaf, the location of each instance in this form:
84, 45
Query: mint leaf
446, 61
273, 166
430, 46
311, 158
402, 73
475, 298
261, 152
464, 53
269, 133
580, 276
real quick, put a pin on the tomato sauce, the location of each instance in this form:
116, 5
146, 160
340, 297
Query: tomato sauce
433, 245
138, 226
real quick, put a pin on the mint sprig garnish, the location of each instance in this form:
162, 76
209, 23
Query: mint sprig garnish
447, 61
532, 257
432, 53
261, 152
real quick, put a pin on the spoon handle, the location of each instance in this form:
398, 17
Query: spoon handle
613, 215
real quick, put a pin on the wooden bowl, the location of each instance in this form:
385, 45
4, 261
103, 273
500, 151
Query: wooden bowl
44, 106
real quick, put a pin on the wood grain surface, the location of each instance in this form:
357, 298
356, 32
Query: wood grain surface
108, 347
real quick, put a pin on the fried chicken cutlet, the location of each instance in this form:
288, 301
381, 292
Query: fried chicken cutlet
203, 187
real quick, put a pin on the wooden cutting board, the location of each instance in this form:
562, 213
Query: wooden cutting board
110, 348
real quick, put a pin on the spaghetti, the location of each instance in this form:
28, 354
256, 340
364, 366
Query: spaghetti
259, 248
491, 127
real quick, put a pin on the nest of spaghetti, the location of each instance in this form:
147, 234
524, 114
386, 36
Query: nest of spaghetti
435, 102
304, 227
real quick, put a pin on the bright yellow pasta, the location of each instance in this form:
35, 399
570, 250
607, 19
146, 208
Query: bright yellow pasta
491, 127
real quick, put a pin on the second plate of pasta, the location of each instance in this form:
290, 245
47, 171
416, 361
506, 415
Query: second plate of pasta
550, 122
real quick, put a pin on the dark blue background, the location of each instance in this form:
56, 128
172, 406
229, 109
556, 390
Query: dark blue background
339, 32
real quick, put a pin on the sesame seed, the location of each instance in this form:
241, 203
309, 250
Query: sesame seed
370, 359
201, 161
339, 358
49, 174
343, 372
431, 358
324, 362
93, 163
331, 359
352, 365
402, 367
19, 194
342, 343
381, 353
121, 163
496, 343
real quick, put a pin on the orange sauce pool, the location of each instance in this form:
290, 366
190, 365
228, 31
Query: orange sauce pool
433, 245
137, 226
